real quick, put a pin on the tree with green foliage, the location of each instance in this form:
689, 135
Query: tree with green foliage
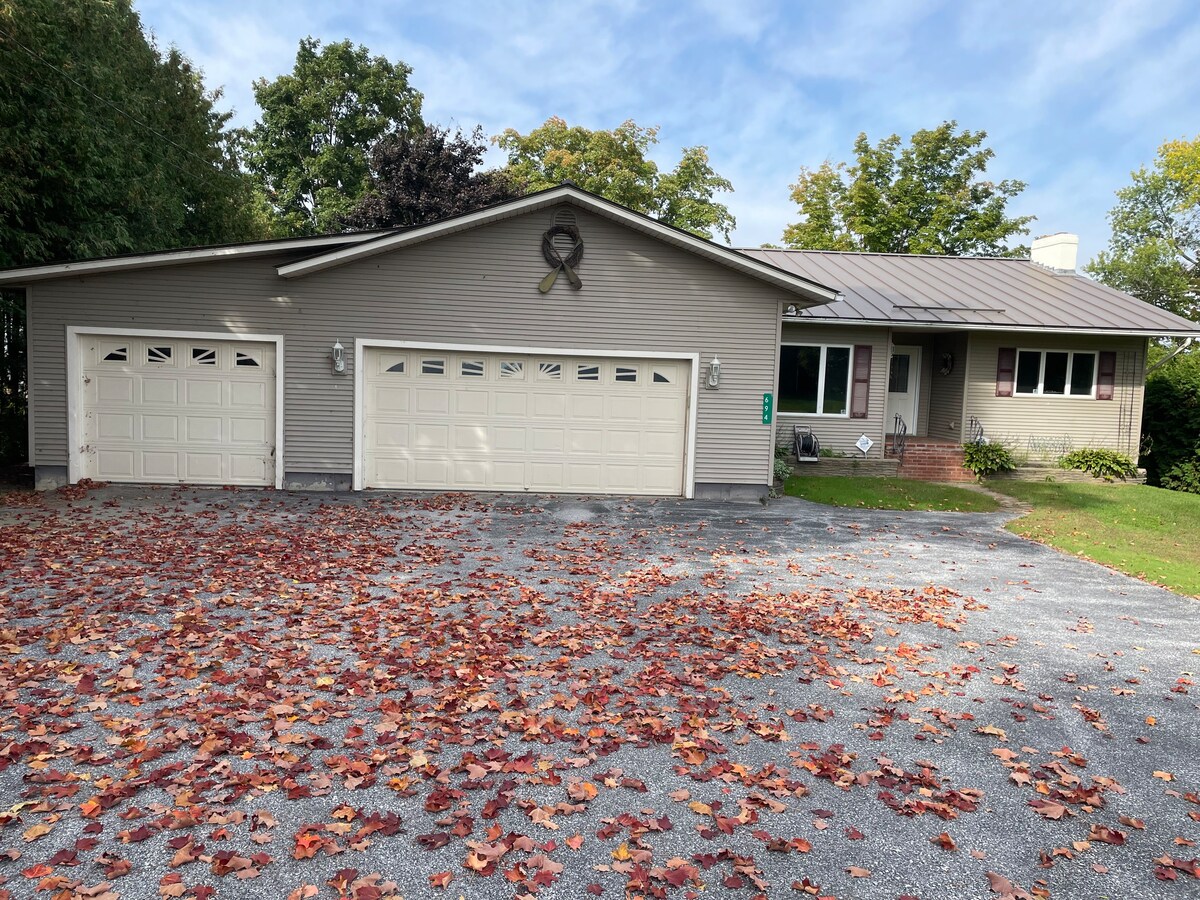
1154, 250
110, 145
1171, 424
614, 165
433, 174
928, 197
312, 146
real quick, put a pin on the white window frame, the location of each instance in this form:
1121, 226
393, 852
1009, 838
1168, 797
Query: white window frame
824, 348
1066, 394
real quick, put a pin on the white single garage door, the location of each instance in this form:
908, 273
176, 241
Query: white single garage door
438, 420
169, 410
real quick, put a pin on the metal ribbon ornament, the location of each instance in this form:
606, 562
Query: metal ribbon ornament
555, 260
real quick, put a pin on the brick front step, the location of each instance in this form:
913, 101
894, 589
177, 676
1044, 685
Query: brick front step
927, 460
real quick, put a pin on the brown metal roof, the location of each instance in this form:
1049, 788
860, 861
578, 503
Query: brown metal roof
968, 292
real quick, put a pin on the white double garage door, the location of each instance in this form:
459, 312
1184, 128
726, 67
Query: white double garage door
197, 411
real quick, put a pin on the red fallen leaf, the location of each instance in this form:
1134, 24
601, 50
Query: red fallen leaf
944, 841
733, 882
304, 892
434, 841
441, 879
574, 842
858, 872
1106, 835
595, 889
1001, 885
1132, 822
1099, 869
854, 834
1049, 808
41, 870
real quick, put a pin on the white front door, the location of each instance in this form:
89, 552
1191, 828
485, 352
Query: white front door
903, 387
489, 421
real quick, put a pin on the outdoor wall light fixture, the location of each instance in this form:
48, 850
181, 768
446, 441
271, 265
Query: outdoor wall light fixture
792, 310
337, 356
714, 374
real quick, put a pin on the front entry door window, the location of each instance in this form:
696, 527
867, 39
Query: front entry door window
903, 387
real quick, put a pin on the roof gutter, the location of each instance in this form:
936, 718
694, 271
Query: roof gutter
1170, 356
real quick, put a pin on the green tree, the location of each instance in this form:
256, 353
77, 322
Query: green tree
928, 197
614, 165
110, 145
311, 148
424, 177
1154, 249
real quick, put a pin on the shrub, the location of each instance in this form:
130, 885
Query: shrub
987, 459
1184, 475
1171, 422
783, 470
782, 451
1100, 463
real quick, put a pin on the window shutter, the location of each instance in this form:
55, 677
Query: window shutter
1006, 370
1106, 375
860, 389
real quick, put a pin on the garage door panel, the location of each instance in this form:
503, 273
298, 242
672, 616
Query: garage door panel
167, 411
160, 465
504, 422
203, 392
114, 389
248, 395
160, 391
201, 466
247, 431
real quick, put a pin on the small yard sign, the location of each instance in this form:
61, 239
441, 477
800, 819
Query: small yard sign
768, 407
864, 444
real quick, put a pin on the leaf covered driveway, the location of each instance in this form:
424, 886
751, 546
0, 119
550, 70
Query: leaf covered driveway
244, 694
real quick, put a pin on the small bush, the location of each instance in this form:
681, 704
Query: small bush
1100, 463
782, 451
783, 469
1184, 475
987, 459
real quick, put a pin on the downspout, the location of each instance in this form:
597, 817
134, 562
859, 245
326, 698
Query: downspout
1170, 356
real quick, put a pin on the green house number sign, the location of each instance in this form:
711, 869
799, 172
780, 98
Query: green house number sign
768, 408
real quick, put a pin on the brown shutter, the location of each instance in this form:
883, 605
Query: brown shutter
1006, 369
1106, 375
860, 390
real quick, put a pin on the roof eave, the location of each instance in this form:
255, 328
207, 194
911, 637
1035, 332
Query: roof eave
968, 326
811, 292
158, 259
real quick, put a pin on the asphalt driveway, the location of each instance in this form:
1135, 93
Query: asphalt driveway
252, 694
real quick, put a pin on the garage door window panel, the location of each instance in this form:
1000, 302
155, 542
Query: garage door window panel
471, 368
114, 354
204, 356
160, 355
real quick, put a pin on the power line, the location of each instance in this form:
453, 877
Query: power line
104, 100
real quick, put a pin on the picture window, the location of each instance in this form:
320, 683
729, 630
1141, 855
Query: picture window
814, 380
1055, 373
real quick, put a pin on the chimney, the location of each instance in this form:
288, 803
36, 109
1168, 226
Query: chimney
1056, 251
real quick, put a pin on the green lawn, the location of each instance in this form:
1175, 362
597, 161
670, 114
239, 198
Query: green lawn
1143, 531
887, 493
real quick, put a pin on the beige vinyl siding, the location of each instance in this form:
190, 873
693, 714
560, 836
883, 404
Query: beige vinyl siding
1042, 428
835, 432
944, 410
476, 287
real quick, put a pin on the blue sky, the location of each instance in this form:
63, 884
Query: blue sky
1073, 95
